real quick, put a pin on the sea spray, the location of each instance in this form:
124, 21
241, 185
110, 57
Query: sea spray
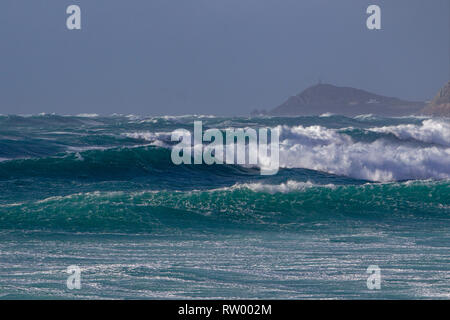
256, 149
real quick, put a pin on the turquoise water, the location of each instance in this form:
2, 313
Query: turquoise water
102, 193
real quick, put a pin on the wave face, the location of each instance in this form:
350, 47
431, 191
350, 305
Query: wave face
253, 205
91, 172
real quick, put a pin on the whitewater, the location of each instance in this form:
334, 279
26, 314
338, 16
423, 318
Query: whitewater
102, 192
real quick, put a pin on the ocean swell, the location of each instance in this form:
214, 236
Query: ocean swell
287, 205
383, 150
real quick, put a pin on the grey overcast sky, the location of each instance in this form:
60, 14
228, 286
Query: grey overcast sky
226, 57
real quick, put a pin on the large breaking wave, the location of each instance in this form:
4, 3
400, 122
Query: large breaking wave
383, 159
407, 149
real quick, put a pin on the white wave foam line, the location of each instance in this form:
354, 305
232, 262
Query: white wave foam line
92, 195
368, 116
10, 205
87, 148
286, 187
431, 131
148, 135
158, 139
310, 136
321, 149
174, 118
87, 115
327, 115
78, 150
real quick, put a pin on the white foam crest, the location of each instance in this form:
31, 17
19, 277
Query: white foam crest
92, 195
368, 116
376, 161
313, 135
158, 139
285, 187
155, 119
87, 115
87, 148
327, 150
430, 131
145, 135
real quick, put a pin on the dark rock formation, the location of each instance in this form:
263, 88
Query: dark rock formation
326, 98
440, 105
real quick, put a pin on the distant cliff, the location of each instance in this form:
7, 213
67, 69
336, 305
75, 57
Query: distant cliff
326, 98
440, 105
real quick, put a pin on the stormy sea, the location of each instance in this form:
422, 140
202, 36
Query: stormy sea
101, 193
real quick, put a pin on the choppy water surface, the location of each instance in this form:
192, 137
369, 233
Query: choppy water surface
103, 194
